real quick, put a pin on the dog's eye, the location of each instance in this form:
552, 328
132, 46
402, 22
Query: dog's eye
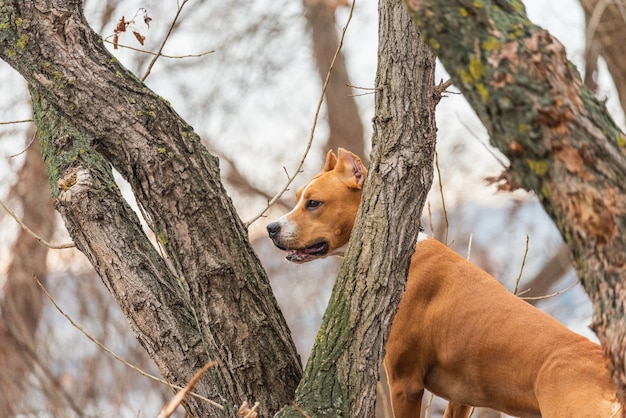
312, 204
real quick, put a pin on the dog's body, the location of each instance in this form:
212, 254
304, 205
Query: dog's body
458, 332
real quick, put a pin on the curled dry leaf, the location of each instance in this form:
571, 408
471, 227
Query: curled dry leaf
121, 26
140, 38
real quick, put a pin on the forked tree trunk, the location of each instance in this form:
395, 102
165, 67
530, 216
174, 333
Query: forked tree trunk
341, 374
559, 138
212, 301
216, 304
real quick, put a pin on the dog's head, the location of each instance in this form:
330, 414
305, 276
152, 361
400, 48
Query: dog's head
321, 222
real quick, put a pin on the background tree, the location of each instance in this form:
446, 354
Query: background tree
21, 307
605, 37
344, 121
559, 139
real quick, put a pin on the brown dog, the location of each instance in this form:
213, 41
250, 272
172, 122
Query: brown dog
458, 332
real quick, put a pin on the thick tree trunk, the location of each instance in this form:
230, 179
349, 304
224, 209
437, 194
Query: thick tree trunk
559, 139
218, 304
341, 374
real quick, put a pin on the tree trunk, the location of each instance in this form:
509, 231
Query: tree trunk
21, 304
344, 121
341, 374
606, 36
559, 139
217, 304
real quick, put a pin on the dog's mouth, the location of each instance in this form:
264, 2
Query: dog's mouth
311, 252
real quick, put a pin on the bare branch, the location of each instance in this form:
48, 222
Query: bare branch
112, 354
34, 235
169, 32
32, 139
571, 286
14, 122
443, 200
201, 54
521, 270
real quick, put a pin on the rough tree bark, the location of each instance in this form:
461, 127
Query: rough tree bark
606, 37
560, 140
217, 304
340, 377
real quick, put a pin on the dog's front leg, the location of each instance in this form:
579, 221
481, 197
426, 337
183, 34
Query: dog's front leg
406, 405
456, 410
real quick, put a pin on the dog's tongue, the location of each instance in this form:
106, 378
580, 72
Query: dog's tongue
297, 256
307, 254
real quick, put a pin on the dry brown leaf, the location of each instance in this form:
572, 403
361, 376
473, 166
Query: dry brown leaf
140, 38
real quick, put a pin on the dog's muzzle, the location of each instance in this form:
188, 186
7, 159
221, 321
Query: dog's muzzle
297, 255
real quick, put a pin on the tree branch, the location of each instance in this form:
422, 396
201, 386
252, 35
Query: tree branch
560, 140
341, 374
229, 306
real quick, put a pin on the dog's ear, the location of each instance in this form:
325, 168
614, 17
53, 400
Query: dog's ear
351, 166
331, 161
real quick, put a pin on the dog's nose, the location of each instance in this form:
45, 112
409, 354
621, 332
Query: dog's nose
273, 229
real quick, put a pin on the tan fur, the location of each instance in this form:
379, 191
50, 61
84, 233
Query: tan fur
458, 332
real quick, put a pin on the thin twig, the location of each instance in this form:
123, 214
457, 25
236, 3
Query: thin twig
370, 90
171, 406
486, 146
443, 86
290, 179
551, 295
145, 51
469, 246
169, 32
443, 200
13, 122
115, 356
32, 139
32, 234
430, 219
519, 277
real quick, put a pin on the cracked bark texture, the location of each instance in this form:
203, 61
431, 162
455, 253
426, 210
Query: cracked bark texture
217, 304
341, 374
559, 139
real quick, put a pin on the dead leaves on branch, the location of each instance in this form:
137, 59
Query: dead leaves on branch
123, 25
